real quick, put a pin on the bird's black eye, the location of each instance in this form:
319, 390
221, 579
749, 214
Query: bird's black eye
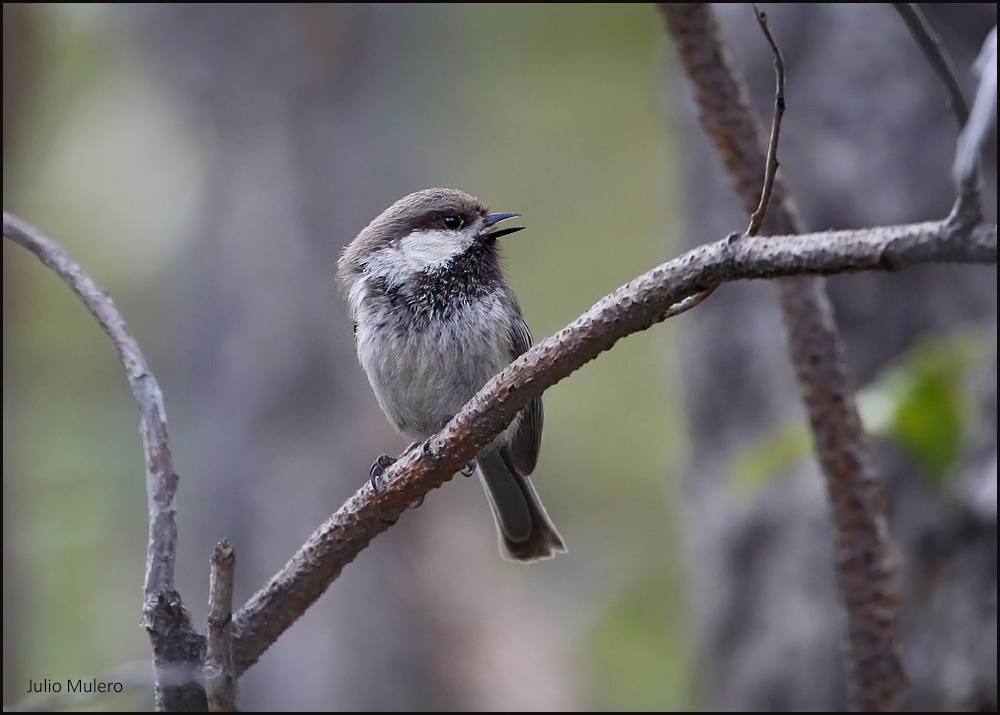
452, 222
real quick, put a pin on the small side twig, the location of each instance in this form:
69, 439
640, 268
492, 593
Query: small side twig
771, 168
220, 682
176, 644
930, 44
689, 303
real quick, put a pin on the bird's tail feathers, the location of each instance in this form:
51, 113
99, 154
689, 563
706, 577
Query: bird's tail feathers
526, 532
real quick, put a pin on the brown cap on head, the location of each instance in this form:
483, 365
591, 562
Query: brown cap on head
425, 209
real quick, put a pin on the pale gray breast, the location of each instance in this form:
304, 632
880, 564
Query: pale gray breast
424, 373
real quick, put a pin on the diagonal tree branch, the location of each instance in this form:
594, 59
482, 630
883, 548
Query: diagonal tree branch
642, 303
176, 644
865, 571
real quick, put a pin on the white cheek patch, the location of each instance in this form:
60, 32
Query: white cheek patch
430, 249
419, 251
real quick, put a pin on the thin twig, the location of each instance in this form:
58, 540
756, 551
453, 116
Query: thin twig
932, 47
969, 202
689, 303
641, 303
771, 168
864, 566
170, 629
220, 682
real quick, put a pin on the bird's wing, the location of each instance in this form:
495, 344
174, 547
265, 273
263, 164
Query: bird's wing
522, 451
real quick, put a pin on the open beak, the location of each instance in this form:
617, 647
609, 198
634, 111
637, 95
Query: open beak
497, 233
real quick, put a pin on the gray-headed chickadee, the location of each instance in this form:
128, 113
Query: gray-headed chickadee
434, 320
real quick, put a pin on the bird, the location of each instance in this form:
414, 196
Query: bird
434, 320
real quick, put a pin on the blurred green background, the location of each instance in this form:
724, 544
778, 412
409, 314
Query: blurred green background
552, 111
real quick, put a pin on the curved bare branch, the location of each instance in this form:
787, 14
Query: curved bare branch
176, 644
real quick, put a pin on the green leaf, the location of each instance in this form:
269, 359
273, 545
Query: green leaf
920, 402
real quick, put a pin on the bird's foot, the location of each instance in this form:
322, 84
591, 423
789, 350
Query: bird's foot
378, 469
